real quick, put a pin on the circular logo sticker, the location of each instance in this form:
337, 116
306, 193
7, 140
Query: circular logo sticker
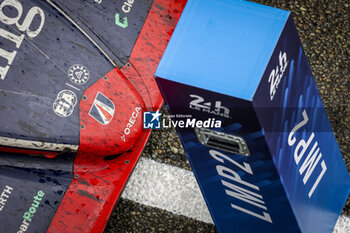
78, 74
65, 103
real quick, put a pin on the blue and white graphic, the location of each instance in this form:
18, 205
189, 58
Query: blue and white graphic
102, 109
151, 120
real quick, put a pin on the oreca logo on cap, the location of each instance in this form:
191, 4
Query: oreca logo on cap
24, 27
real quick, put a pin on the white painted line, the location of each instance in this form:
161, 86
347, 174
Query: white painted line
343, 225
175, 190
166, 187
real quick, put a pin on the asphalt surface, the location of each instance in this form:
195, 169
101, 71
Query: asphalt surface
323, 27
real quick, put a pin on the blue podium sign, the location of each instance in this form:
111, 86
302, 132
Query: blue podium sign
274, 165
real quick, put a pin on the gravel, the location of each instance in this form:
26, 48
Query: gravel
165, 146
133, 217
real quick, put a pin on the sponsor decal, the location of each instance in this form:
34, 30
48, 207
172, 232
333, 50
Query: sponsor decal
215, 108
102, 110
131, 123
78, 74
312, 159
29, 215
25, 27
123, 23
5, 195
277, 74
126, 8
65, 102
151, 120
